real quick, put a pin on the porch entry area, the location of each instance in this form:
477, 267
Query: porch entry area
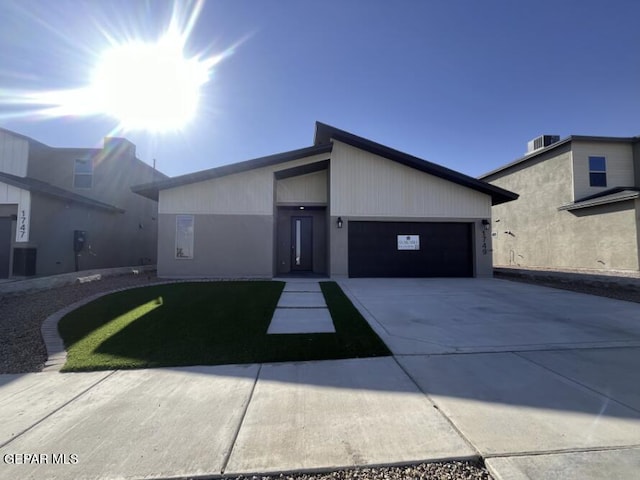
301, 240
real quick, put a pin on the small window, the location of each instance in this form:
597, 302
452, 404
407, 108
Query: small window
83, 173
184, 236
597, 172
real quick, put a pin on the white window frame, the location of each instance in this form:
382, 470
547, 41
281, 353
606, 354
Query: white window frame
83, 174
606, 179
184, 237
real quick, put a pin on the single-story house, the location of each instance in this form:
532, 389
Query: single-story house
345, 206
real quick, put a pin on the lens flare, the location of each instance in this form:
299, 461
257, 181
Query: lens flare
149, 86
145, 85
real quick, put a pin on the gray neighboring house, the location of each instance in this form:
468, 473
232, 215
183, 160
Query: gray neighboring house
579, 205
63, 209
345, 206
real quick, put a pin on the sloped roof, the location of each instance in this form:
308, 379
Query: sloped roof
150, 190
38, 186
530, 157
324, 135
612, 195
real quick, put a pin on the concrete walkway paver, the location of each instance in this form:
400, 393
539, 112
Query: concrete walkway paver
301, 320
302, 300
302, 286
342, 413
301, 309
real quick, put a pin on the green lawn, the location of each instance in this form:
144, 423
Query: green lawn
210, 323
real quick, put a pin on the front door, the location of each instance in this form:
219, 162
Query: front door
5, 246
301, 245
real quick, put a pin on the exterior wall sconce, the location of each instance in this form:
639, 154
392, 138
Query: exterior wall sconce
339, 222
486, 224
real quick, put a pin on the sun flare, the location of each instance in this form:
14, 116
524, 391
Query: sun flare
144, 85
149, 86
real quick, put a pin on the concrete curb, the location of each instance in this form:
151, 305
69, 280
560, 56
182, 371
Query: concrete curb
629, 280
31, 285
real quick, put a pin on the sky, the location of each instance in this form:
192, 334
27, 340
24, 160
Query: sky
462, 83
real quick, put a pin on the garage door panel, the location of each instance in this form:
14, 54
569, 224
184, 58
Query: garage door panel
445, 250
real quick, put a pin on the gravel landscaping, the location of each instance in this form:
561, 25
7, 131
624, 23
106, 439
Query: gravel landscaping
627, 292
421, 471
21, 347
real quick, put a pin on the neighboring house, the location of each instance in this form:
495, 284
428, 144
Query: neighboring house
344, 206
64, 209
579, 205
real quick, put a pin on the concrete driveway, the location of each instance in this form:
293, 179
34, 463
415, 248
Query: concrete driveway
459, 315
544, 383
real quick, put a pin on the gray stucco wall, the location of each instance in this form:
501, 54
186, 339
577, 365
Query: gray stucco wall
233, 246
116, 239
113, 239
339, 241
531, 232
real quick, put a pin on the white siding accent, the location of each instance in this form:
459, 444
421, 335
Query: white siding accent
244, 193
363, 184
619, 160
14, 195
309, 188
14, 152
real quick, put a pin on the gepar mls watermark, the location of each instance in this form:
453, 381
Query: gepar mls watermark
40, 458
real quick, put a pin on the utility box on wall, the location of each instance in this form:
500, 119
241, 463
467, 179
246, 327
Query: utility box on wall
24, 262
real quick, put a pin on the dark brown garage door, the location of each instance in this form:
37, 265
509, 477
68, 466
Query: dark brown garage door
444, 249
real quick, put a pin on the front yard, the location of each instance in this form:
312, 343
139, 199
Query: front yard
205, 323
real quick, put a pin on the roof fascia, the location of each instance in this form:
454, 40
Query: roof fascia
568, 140
150, 190
37, 186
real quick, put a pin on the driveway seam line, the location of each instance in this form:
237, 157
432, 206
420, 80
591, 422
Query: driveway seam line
31, 427
447, 419
562, 451
225, 462
591, 389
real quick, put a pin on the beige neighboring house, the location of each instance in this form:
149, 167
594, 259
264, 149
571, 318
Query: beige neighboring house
344, 206
579, 205
66, 209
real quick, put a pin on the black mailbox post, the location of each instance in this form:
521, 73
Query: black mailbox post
79, 241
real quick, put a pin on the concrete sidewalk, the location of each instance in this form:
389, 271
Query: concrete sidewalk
161, 423
529, 416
